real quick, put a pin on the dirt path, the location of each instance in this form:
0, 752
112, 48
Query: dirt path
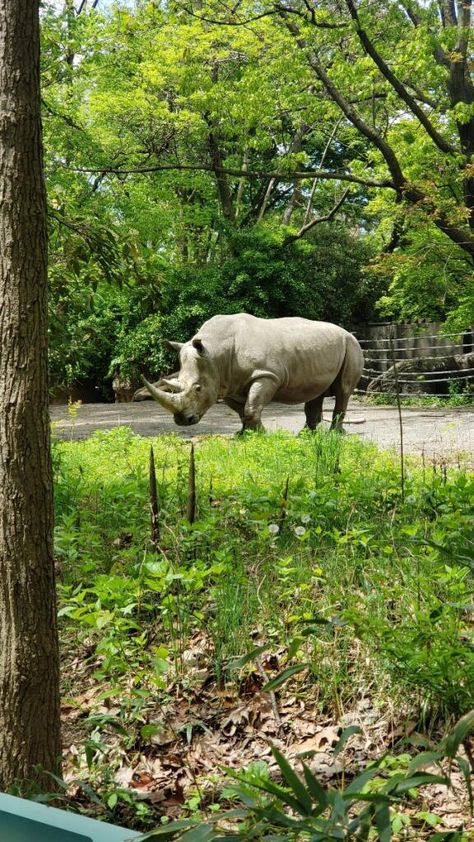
434, 432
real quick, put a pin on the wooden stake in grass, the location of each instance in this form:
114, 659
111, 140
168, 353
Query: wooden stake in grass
191, 503
153, 496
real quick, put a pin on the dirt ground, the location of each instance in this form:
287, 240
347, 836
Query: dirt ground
434, 433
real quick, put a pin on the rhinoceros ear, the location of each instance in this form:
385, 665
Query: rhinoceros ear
197, 343
173, 346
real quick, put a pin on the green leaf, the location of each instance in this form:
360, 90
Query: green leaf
382, 822
170, 830
465, 767
112, 801
459, 734
238, 663
283, 677
201, 833
348, 732
420, 779
357, 785
293, 781
280, 793
318, 793
423, 759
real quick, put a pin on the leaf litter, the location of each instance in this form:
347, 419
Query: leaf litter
201, 727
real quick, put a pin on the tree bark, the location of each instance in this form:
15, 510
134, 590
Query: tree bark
29, 663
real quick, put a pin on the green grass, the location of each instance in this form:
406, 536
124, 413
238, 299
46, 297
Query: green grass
373, 590
452, 401
303, 545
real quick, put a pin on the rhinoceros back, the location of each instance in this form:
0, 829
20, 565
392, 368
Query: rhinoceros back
304, 356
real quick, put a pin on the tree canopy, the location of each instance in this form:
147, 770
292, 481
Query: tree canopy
282, 158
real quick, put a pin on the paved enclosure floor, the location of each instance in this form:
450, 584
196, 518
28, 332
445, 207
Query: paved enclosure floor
432, 432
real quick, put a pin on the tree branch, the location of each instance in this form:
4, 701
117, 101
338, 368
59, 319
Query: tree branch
66, 119
411, 15
309, 225
351, 113
231, 20
323, 158
439, 54
448, 12
401, 90
241, 173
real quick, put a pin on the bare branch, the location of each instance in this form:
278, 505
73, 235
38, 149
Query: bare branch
323, 158
266, 198
66, 119
309, 225
331, 175
420, 95
448, 12
464, 24
232, 20
408, 9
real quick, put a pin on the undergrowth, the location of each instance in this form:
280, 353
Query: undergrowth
303, 545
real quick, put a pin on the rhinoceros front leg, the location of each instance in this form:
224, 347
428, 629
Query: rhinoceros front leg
260, 393
237, 406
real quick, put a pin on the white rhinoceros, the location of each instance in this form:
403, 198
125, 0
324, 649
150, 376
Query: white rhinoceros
249, 362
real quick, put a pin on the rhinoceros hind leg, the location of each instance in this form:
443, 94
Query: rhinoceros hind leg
314, 412
345, 383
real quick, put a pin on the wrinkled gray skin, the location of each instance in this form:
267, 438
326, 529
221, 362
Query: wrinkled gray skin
249, 362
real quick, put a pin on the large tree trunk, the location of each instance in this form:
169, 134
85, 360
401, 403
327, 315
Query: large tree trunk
29, 664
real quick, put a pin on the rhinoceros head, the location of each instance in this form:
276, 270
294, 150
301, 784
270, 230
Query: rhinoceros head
194, 391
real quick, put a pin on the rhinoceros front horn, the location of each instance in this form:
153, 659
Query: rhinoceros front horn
172, 402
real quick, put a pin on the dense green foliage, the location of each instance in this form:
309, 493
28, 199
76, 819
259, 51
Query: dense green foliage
367, 591
192, 154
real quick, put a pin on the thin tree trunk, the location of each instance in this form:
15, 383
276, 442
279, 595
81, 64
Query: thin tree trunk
29, 663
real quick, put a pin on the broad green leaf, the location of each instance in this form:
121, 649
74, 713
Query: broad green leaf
317, 791
382, 822
460, 732
238, 663
293, 781
280, 679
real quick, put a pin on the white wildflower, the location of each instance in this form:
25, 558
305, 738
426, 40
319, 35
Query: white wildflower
273, 528
299, 531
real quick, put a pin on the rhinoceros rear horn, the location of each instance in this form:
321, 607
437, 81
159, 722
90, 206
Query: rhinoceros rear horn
173, 403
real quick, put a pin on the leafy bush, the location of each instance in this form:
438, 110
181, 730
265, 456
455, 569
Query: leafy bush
320, 279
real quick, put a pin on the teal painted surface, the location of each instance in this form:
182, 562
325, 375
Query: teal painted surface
26, 821
18, 829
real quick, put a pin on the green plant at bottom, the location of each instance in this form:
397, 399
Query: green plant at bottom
303, 808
